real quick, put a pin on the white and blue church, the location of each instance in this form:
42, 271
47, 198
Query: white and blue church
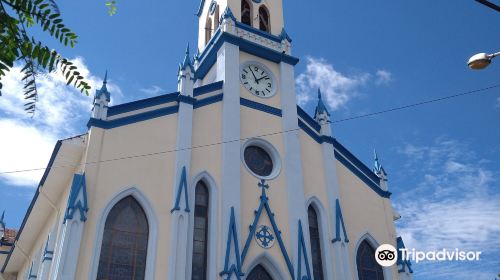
224, 178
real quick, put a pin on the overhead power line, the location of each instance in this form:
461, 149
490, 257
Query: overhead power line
489, 4
477, 91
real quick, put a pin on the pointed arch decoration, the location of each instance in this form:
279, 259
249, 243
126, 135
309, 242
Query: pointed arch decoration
339, 221
259, 273
233, 267
181, 188
302, 253
77, 199
264, 204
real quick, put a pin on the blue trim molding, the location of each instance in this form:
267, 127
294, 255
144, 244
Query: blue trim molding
362, 176
339, 221
33, 201
133, 119
302, 253
403, 263
308, 119
182, 187
209, 55
74, 204
47, 254
208, 88
261, 107
232, 267
208, 101
141, 104
343, 155
186, 99
264, 204
258, 32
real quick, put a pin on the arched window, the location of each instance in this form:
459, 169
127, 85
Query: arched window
124, 242
259, 273
246, 13
216, 18
368, 268
200, 236
315, 243
208, 30
264, 20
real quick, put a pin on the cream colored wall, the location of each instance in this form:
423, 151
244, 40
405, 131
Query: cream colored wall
254, 123
364, 211
274, 101
153, 175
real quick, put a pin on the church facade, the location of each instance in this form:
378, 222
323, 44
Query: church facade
226, 178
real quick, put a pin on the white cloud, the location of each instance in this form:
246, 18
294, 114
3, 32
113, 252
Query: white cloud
153, 90
383, 77
337, 88
453, 205
62, 112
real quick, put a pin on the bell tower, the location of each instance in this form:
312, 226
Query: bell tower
264, 15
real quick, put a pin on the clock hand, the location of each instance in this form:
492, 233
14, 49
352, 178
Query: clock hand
262, 78
255, 78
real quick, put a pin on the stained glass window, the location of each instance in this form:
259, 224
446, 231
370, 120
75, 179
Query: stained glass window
315, 243
368, 268
259, 273
124, 242
200, 236
258, 160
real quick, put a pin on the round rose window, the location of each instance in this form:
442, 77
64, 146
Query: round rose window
258, 160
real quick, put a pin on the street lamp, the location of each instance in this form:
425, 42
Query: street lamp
481, 60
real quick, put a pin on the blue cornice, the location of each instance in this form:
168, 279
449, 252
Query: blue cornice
208, 88
133, 119
141, 104
186, 99
362, 176
35, 197
209, 55
308, 119
258, 32
208, 101
354, 164
261, 107
200, 8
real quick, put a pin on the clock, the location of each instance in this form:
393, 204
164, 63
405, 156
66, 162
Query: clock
257, 79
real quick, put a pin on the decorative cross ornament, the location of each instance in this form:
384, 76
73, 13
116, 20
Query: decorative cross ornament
264, 237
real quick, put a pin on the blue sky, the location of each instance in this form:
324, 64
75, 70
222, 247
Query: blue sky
367, 56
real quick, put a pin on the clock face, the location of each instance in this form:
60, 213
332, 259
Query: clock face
258, 80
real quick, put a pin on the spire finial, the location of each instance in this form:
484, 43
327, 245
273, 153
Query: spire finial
187, 60
105, 78
320, 108
2, 222
377, 168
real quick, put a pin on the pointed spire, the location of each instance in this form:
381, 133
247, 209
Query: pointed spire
104, 89
378, 168
187, 61
228, 14
2, 222
320, 108
284, 36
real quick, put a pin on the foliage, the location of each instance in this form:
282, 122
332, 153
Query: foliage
111, 4
17, 46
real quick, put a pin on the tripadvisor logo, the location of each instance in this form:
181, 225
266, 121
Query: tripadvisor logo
387, 255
